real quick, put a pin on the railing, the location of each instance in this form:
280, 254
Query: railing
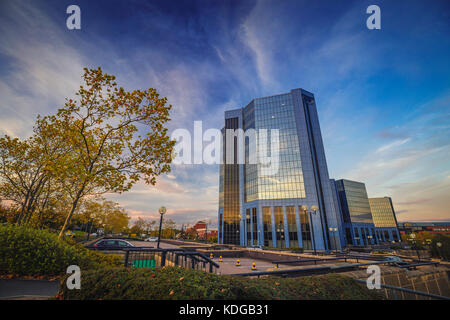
298, 261
310, 271
152, 257
397, 293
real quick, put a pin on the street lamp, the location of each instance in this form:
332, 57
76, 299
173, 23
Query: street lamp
314, 211
439, 245
334, 237
413, 237
162, 211
370, 238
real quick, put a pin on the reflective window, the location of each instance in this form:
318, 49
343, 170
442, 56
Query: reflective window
279, 227
267, 227
305, 228
255, 227
383, 214
292, 227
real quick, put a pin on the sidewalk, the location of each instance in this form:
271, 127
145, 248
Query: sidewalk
19, 289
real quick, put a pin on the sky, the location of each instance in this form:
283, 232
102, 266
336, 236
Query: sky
383, 96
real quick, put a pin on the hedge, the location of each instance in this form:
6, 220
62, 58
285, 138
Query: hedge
25, 251
176, 283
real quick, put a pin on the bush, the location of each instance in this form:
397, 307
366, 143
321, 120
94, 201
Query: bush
176, 283
28, 251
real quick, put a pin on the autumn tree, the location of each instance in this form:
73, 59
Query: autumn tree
25, 170
139, 226
168, 228
106, 214
115, 138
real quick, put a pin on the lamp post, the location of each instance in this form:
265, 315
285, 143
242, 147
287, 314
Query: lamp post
370, 238
439, 245
162, 211
413, 237
334, 232
314, 211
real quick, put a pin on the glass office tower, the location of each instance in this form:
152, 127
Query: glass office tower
292, 207
384, 219
358, 227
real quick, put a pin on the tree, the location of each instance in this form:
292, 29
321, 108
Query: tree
150, 226
168, 228
110, 216
25, 175
107, 150
139, 226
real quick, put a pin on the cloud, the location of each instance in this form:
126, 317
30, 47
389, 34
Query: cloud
391, 145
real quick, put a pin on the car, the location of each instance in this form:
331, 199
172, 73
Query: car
395, 260
112, 244
151, 239
257, 247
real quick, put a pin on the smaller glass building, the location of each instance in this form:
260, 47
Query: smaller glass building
358, 227
384, 219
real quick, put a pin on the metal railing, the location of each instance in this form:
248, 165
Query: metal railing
310, 271
153, 257
398, 293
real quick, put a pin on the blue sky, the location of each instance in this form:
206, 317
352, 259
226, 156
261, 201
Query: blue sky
383, 96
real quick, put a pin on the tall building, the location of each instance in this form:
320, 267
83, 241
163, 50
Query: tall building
293, 207
358, 227
384, 219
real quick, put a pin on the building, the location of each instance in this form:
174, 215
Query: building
364, 221
431, 227
201, 230
383, 216
293, 207
357, 224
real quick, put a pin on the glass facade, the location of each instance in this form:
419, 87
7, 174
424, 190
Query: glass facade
305, 228
292, 227
247, 194
279, 227
255, 226
276, 112
267, 227
383, 212
354, 201
231, 194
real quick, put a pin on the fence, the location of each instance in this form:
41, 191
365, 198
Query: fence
151, 258
397, 293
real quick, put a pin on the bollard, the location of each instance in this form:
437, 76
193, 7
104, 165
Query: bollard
253, 266
211, 256
220, 259
238, 263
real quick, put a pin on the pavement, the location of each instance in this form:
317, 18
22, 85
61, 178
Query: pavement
20, 289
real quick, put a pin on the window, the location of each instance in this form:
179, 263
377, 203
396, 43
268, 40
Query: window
267, 227
255, 227
305, 229
292, 227
249, 227
279, 227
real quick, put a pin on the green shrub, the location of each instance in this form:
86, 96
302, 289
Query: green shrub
176, 283
28, 251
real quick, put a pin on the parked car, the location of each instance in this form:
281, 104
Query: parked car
151, 239
110, 244
395, 260
257, 247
